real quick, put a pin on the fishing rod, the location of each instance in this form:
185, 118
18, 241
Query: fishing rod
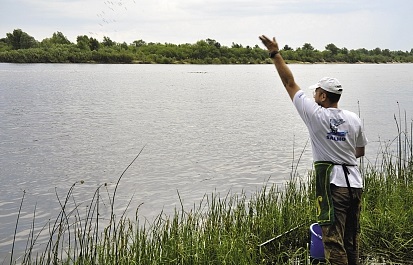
280, 235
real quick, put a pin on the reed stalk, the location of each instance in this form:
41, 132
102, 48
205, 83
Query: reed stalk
269, 227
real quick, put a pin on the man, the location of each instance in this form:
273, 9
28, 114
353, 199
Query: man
337, 140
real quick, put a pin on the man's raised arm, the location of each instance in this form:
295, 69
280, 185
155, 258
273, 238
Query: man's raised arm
284, 72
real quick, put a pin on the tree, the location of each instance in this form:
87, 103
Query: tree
86, 43
200, 50
94, 44
139, 43
328, 56
333, 48
344, 50
213, 43
376, 51
59, 38
307, 53
354, 56
363, 51
107, 42
386, 52
20, 40
83, 42
236, 45
308, 46
18, 47
124, 46
3, 45
287, 48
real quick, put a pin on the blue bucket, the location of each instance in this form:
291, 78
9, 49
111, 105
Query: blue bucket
316, 242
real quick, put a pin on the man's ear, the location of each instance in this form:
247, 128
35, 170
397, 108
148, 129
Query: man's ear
323, 97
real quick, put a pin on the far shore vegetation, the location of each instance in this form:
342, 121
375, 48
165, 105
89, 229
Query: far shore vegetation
269, 227
19, 47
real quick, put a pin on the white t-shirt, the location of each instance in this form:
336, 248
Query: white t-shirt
334, 135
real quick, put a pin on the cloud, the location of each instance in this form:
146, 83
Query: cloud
346, 23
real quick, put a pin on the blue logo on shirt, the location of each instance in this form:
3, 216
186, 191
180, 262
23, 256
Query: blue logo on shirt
335, 134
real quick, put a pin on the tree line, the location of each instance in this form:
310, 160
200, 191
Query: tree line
19, 47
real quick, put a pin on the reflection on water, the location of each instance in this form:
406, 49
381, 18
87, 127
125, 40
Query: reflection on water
203, 128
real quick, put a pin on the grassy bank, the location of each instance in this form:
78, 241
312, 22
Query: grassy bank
235, 229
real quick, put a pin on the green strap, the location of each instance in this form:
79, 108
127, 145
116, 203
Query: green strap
324, 202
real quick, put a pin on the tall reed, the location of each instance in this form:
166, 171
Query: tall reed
387, 217
269, 227
219, 230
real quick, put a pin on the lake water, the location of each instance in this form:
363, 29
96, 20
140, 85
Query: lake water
203, 129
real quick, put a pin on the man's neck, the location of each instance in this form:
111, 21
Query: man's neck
327, 105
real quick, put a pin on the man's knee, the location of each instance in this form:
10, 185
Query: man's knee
335, 254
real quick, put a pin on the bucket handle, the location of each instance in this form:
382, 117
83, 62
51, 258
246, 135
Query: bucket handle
312, 231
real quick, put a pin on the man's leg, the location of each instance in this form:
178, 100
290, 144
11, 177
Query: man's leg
352, 231
333, 235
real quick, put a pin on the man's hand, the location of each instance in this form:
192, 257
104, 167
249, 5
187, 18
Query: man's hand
283, 71
359, 152
271, 45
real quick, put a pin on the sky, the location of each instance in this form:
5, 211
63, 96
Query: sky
351, 24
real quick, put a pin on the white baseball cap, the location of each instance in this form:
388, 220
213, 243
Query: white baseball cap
329, 84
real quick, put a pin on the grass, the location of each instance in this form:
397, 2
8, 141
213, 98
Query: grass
387, 217
269, 227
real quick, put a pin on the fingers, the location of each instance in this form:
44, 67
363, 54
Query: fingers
270, 44
264, 38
